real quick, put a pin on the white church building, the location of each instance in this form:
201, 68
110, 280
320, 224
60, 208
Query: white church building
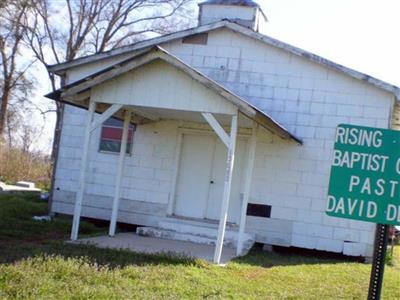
215, 134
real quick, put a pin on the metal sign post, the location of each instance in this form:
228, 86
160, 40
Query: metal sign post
378, 264
364, 185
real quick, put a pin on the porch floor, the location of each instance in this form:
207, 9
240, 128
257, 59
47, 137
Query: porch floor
150, 245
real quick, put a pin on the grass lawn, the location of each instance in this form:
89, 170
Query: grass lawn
35, 264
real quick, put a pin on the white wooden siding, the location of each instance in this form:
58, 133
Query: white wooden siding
160, 85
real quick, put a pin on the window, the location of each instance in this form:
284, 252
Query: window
111, 136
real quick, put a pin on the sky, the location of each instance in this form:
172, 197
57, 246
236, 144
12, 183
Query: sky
360, 34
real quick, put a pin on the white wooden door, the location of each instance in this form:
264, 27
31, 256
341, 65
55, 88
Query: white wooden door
194, 175
217, 182
200, 182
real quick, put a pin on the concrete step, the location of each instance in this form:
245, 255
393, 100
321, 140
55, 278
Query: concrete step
173, 235
202, 229
184, 231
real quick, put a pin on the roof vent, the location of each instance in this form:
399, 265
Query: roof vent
244, 12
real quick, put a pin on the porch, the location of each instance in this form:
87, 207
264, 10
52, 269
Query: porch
194, 238
152, 245
127, 91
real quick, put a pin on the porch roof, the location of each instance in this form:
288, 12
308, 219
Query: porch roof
77, 92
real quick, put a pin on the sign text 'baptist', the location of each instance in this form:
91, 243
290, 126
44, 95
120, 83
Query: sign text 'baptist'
365, 175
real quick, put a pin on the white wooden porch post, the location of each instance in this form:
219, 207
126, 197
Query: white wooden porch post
227, 190
81, 183
122, 154
247, 186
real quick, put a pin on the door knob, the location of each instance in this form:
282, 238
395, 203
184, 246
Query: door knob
212, 181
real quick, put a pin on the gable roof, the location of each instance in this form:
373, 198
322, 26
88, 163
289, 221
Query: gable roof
155, 53
61, 68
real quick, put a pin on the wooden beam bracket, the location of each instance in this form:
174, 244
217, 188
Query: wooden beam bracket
217, 128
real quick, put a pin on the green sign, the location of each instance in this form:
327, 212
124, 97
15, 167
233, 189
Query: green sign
365, 175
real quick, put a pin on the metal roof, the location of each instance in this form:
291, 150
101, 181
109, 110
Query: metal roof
232, 2
61, 68
157, 52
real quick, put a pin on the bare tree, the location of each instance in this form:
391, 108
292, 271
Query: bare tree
13, 121
13, 81
64, 30
61, 31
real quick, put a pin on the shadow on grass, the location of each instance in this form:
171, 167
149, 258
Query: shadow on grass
112, 258
102, 257
22, 238
283, 256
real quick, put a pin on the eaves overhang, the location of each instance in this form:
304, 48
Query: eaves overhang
84, 85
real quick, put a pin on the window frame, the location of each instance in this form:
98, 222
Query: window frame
132, 126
